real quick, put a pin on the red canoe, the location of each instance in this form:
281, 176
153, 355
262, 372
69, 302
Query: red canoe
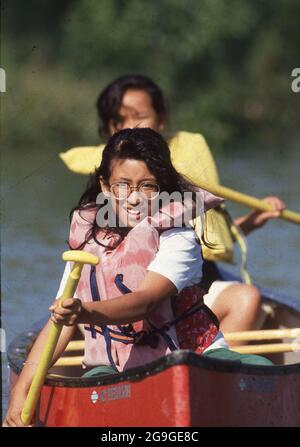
180, 390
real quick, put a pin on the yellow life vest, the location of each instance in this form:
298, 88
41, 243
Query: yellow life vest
192, 158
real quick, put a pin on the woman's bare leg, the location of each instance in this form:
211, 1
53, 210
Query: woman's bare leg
237, 308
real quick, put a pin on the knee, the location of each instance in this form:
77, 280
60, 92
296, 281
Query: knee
238, 308
249, 297
238, 299
251, 293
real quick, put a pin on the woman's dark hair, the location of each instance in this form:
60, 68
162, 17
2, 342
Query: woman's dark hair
137, 144
110, 99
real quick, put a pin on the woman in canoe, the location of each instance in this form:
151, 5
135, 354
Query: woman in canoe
136, 101
144, 299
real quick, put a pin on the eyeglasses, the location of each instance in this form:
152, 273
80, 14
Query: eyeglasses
122, 190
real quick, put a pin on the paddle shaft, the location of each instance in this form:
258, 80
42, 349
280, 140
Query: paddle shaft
269, 348
48, 351
244, 199
269, 334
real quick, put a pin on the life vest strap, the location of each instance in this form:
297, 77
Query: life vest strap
126, 333
146, 337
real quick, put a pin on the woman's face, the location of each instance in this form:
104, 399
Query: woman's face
136, 111
128, 173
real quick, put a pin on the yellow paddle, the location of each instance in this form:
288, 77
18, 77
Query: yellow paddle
244, 199
79, 258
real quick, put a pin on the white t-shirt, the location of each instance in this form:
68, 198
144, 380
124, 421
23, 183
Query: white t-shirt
178, 259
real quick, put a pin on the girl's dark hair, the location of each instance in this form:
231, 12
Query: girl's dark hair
110, 99
138, 144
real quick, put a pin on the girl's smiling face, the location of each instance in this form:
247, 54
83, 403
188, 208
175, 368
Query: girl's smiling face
132, 209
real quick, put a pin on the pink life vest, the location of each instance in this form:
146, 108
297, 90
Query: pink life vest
120, 271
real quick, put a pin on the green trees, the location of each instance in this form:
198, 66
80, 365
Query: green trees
225, 64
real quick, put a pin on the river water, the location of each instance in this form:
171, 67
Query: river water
38, 192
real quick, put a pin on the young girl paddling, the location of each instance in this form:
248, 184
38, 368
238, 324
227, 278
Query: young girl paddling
144, 259
136, 101
144, 299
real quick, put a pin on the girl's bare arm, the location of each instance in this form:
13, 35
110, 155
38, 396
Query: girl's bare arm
20, 390
125, 309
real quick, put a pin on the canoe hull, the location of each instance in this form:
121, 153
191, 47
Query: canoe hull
179, 391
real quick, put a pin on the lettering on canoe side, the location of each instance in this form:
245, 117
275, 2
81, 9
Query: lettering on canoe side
94, 396
116, 392
257, 384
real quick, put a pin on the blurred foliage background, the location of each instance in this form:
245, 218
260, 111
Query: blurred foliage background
225, 66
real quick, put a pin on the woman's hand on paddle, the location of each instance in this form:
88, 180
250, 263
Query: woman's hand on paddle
256, 219
66, 313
